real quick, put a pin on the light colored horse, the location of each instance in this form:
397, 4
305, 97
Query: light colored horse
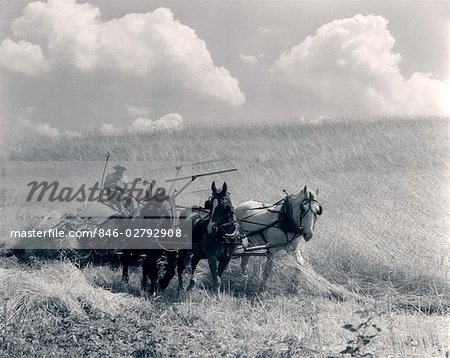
280, 226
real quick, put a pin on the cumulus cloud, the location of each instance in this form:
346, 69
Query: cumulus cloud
137, 111
23, 57
263, 56
250, 59
350, 64
150, 45
28, 126
170, 121
109, 129
267, 30
264, 30
39, 127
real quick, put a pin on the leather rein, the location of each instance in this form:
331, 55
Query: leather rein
229, 237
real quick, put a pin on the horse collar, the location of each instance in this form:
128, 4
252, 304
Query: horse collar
287, 220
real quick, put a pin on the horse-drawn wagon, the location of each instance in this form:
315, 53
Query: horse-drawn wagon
217, 231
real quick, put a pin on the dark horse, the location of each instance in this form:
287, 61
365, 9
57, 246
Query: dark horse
155, 214
214, 236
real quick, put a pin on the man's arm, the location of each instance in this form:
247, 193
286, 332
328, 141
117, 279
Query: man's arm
110, 182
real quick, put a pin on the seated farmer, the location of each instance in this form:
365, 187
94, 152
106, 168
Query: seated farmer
116, 183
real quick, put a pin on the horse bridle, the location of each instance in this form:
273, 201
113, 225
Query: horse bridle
226, 202
309, 201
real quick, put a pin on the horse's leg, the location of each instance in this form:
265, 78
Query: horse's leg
125, 260
145, 270
181, 265
212, 261
223, 263
297, 243
244, 263
153, 271
267, 271
194, 262
170, 270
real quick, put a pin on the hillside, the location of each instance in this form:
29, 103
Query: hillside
383, 234
383, 183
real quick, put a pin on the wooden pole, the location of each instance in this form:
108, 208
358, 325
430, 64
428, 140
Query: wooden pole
108, 154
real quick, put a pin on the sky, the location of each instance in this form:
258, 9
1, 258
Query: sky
136, 66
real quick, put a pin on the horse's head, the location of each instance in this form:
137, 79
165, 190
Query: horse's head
221, 211
306, 210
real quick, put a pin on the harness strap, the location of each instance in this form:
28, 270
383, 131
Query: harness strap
267, 206
286, 218
279, 202
285, 222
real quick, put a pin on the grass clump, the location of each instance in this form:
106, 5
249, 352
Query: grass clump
55, 287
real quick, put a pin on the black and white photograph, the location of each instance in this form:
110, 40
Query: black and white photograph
233, 178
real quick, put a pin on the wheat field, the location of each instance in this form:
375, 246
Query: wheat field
379, 253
